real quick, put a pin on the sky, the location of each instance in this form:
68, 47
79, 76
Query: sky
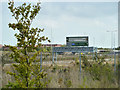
61, 19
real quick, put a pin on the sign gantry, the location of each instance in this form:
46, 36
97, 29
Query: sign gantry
72, 49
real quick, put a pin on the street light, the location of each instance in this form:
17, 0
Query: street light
114, 47
112, 43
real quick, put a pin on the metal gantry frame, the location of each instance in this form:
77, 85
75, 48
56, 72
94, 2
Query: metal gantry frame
79, 50
115, 59
72, 49
115, 53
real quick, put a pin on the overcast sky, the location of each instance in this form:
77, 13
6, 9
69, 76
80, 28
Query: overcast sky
69, 18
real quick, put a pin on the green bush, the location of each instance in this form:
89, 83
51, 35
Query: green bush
99, 70
68, 83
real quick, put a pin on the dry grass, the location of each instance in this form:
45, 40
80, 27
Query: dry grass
70, 77
67, 76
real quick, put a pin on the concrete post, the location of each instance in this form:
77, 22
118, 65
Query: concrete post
56, 57
96, 53
93, 55
80, 62
53, 57
114, 61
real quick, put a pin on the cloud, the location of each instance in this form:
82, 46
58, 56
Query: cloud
0, 23
62, 0
46, 23
54, 13
78, 18
79, 9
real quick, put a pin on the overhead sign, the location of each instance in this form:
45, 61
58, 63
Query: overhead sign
77, 41
74, 49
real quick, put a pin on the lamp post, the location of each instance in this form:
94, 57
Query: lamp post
113, 48
112, 42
